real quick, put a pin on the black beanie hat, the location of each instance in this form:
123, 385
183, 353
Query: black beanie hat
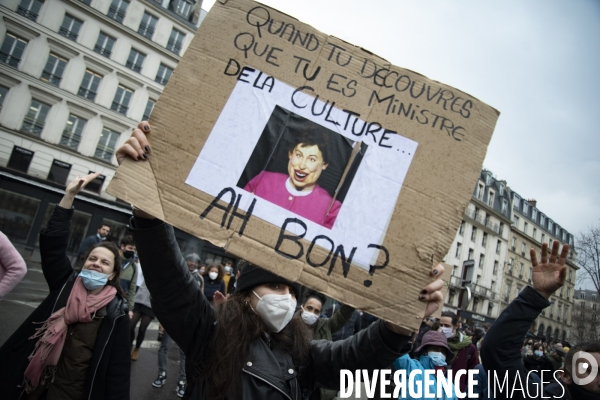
253, 276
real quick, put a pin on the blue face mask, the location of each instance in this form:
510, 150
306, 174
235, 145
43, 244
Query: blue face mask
93, 279
438, 358
538, 353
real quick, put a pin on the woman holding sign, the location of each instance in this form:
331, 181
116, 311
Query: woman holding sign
250, 346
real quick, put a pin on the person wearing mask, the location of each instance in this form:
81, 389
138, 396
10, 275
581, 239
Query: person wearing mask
192, 261
538, 360
500, 350
227, 271
100, 236
556, 356
75, 344
128, 271
322, 328
528, 346
250, 346
213, 281
12, 266
432, 355
466, 356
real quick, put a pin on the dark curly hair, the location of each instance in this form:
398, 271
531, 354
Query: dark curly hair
311, 137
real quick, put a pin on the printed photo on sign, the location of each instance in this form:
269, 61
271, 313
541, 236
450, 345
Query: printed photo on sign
298, 165
297, 157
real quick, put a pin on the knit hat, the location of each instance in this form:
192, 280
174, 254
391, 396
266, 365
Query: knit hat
253, 276
436, 338
193, 257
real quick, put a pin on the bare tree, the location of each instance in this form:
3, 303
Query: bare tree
588, 255
584, 323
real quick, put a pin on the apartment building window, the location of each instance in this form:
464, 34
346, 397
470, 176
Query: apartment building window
498, 247
501, 189
104, 44
510, 265
175, 41
516, 201
491, 196
530, 275
543, 238
542, 220
20, 159
534, 234
59, 172
521, 266
461, 228
525, 207
484, 240
148, 110
481, 261
513, 244
473, 234
53, 71
163, 75
525, 227
182, 7
550, 226
117, 10
534, 214
3, 93
12, 49
106, 144
121, 101
70, 27
501, 229
458, 249
36, 117
89, 85
135, 60
470, 254
30, 9
504, 206
495, 270
516, 221
95, 186
523, 247
87, 2
490, 309
72, 134
519, 291
507, 292
147, 25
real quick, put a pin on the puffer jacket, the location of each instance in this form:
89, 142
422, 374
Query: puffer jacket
109, 371
268, 373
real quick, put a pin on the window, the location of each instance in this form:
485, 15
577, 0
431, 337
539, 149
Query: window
59, 172
30, 8
121, 101
484, 240
501, 229
461, 228
89, 85
3, 93
17, 213
182, 7
148, 110
104, 44
495, 271
515, 221
473, 233
135, 60
481, 261
458, 249
516, 201
530, 274
523, 246
36, 118
491, 196
96, 187
470, 254
507, 292
542, 220
175, 41
117, 10
53, 71
519, 291
72, 134
543, 238
534, 214
521, 266
550, 225
501, 189
147, 25
70, 27
534, 235
525, 207
12, 49
594, 306
19, 160
513, 243
163, 75
504, 206
498, 247
525, 226
490, 309
510, 265
106, 144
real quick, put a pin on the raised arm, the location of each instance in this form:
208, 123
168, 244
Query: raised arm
339, 318
501, 349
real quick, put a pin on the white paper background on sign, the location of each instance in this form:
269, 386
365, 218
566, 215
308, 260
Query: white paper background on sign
368, 206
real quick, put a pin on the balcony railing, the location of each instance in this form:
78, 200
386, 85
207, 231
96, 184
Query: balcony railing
493, 226
35, 127
161, 81
174, 46
9, 59
118, 107
132, 66
146, 30
87, 93
51, 78
68, 34
102, 51
116, 13
27, 13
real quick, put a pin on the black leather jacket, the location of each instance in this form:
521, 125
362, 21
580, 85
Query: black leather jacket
268, 373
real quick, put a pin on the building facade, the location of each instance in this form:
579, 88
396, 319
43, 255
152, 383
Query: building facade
482, 238
75, 78
529, 229
585, 320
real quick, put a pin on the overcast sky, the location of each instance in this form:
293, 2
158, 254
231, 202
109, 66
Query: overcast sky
537, 62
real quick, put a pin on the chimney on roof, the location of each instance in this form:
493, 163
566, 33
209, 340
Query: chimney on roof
533, 202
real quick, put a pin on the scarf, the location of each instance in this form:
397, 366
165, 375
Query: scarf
458, 343
80, 307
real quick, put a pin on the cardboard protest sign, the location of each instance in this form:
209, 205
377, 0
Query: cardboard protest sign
311, 157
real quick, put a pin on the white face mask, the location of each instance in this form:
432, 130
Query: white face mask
308, 317
213, 275
447, 332
228, 269
276, 310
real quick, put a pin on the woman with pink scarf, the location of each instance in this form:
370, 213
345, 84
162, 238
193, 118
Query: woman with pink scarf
75, 345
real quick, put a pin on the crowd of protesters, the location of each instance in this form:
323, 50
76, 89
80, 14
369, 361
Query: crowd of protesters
246, 333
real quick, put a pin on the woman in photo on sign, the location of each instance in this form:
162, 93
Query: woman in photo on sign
298, 190
251, 346
75, 344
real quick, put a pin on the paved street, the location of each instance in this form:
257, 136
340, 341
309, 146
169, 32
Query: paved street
18, 304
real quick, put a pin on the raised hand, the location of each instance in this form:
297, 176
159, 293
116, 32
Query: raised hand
137, 147
550, 275
74, 187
